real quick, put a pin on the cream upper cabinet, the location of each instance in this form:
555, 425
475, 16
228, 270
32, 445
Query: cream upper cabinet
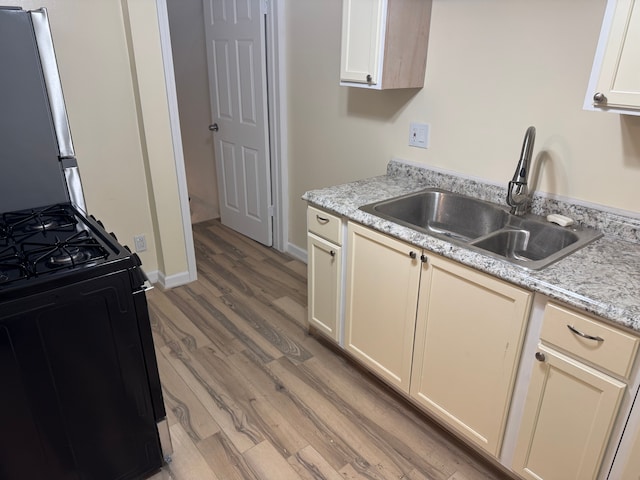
615, 79
382, 294
470, 329
324, 277
572, 403
384, 43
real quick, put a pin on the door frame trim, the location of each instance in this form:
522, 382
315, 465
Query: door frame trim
277, 104
176, 139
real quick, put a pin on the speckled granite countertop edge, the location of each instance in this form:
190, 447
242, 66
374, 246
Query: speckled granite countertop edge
603, 278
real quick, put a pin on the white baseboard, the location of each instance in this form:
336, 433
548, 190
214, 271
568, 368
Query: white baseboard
171, 281
152, 276
297, 252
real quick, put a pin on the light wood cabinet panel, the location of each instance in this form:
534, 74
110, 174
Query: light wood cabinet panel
384, 43
568, 416
617, 70
382, 294
469, 333
324, 285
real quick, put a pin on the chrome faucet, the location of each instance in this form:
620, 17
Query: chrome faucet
518, 192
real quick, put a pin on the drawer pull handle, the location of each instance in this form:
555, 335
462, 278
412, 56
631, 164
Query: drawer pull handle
322, 220
584, 335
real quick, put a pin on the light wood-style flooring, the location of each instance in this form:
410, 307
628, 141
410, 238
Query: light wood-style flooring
251, 395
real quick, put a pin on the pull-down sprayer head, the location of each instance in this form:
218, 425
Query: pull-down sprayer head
518, 192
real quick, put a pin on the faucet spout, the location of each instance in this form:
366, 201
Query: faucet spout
518, 191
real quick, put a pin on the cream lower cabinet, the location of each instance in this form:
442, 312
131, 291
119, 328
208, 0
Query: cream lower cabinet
571, 406
324, 272
468, 330
383, 275
324, 285
568, 415
469, 333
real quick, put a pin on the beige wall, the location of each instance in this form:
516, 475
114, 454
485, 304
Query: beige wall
143, 35
122, 139
494, 67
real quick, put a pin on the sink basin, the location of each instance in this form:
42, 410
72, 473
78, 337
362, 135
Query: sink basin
442, 213
528, 241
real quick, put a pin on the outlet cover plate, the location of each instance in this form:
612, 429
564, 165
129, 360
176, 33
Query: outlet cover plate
419, 135
140, 243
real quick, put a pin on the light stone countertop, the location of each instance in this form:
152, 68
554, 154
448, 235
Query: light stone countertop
602, 278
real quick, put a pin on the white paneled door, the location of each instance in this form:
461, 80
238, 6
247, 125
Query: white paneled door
236, 57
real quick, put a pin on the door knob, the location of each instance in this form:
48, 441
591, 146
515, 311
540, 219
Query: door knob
214, 127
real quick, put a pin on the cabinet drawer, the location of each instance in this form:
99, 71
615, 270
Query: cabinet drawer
324, 224
610, 348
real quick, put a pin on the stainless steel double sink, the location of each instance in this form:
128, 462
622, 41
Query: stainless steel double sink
528, 241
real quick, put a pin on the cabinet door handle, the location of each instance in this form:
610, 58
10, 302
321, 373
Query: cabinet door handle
540, 357
424, 258
584, 335
599, 97
369, 78
332, 253
413, 254
322, 220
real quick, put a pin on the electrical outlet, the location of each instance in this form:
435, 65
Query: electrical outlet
140, 243
419, 135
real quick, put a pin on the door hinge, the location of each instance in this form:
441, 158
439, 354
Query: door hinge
264, 7
270, 210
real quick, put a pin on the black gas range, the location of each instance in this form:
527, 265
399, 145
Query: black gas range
46, 246
81, 394
80, 390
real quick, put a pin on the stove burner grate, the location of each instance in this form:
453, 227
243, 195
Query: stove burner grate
12, 267
54, 218
68, 256
75, 250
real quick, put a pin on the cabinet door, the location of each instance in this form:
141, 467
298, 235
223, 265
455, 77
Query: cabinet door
469, 333
361, 39
325, 267
619, 79
382, 293
568, 415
